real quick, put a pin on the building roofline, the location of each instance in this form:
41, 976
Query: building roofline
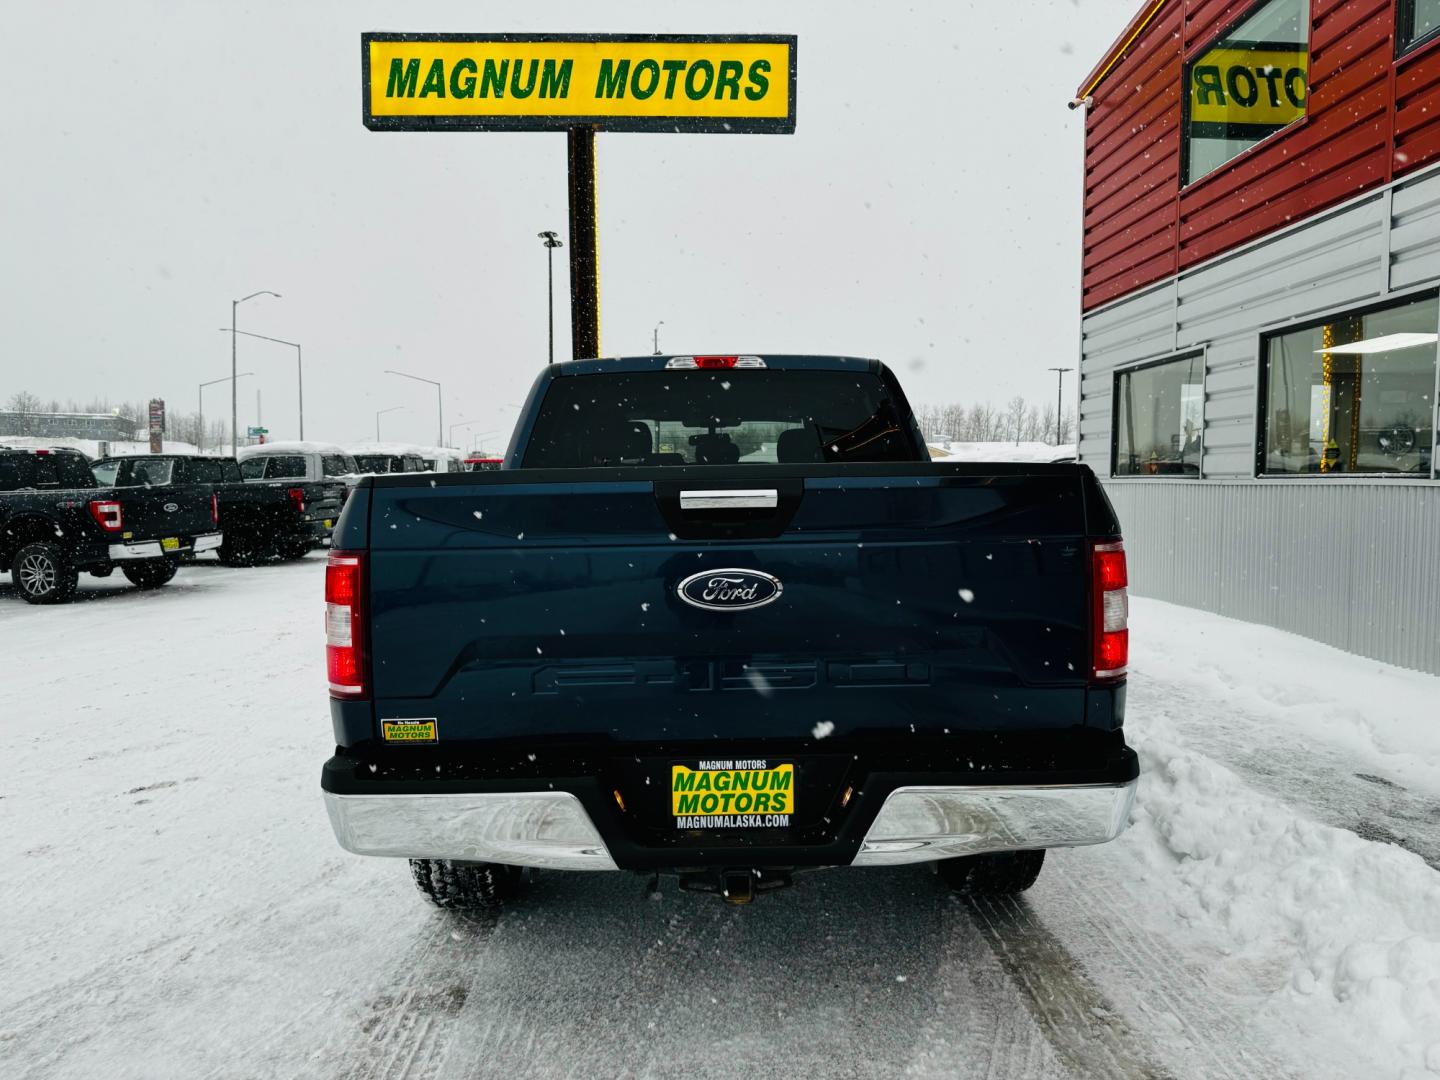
1143, 18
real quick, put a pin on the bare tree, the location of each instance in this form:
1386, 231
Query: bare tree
24, 405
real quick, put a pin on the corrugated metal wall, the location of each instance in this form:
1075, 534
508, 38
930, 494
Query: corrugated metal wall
1370, 118
1353, 565
1351, 562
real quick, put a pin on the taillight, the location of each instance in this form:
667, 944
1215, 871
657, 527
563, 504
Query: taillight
344, 629
1111, 616
710, 363
214, 508
107, 514
297, 499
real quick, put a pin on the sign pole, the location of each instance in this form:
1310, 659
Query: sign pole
584, 253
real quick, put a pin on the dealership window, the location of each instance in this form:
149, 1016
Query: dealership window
1160, 418
1419, 22
1353, 394
1250, 83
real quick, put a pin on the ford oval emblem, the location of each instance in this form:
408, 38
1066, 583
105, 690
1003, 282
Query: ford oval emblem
729, 590
170, 508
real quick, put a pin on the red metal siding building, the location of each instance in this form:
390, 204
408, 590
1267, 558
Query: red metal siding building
1369, 118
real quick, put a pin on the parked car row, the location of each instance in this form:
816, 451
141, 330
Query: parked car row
57, 520
62, 515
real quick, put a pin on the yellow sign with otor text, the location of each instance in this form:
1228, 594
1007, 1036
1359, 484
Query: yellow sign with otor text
1265, 87
426, 82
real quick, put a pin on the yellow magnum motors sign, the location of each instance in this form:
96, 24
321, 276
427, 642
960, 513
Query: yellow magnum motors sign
1263, 87
548, 82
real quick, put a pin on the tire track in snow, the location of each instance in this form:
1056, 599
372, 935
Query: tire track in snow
855, 974
1084, 1027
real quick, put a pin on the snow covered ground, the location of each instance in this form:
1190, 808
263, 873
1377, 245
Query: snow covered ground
175, 905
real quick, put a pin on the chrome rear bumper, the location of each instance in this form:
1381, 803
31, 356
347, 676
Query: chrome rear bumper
551, 828
918, 824
153, 549
539, 828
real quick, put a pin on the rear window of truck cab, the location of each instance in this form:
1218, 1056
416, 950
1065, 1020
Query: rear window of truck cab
718, 417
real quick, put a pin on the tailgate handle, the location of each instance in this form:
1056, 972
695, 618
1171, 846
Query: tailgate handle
730, 499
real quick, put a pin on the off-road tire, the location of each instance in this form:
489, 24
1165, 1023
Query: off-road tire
465, 886
235, 553
43, 575
150, 573
999, 873
291, 550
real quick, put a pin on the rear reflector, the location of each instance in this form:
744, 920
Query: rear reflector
215, 508
297, 499
710, 363
344, 631
1111, 614
108, 514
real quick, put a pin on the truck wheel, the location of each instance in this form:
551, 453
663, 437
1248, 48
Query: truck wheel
236, 553
294, 549
998, 873
150, 573
43, 574
465, 886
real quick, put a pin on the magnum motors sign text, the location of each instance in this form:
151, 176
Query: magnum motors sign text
465, 82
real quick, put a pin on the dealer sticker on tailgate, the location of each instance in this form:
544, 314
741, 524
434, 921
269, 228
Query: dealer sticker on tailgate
732, 794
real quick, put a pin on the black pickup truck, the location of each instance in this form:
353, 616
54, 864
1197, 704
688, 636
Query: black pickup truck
57, 521
719, 617
262, 518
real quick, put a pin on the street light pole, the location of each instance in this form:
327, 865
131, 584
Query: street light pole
200, 402
234, 405
381, 412
656, 333
1059, 397
439, 402
299, 366
552, 241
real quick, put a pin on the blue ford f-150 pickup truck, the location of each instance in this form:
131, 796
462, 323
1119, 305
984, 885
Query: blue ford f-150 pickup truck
720, 617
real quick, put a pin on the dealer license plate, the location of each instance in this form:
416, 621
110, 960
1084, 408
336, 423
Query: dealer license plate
170, 543
733, 794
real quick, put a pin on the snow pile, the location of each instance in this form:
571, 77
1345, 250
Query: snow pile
1001, 451
91, 447
1379, 712
1340, 924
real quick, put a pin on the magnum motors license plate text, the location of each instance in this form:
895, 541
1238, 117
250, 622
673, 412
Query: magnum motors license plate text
726, 794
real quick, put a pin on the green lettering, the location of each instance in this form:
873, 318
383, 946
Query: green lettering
402, 83
555, 82
780, 781
708, 803
648, 69
700, 67
435, 80
729, 78
515, 88
684, 781
758, 72
742, 781
611, 83
744, 802
762, 802
702, 781
1207, 83
463, 88
778, 802
493, 78
723, 781
672, 69
688, 803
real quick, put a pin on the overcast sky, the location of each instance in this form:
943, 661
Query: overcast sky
162, 159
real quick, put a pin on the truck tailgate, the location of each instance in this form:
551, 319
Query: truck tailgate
544, 606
